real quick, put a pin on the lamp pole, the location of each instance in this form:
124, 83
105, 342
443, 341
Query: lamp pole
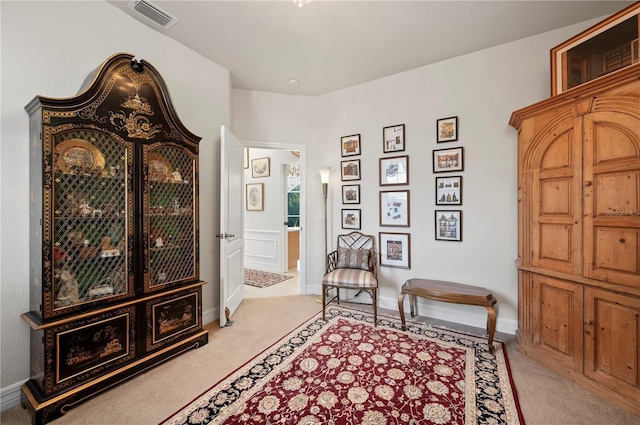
324, 177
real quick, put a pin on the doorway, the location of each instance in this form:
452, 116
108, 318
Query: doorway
275, 234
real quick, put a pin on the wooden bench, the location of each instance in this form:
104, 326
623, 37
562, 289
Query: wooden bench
450, 292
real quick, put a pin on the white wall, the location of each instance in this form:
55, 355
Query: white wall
482, 89
49, 48
264, 230
272, 119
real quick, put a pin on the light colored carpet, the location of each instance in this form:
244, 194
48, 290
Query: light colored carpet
545, 397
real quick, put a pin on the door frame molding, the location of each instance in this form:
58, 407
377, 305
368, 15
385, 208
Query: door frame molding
303, 199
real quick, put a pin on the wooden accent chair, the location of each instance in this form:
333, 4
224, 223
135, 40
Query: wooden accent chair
353, 265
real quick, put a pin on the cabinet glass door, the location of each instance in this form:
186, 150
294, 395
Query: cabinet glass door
170, 216
90, 193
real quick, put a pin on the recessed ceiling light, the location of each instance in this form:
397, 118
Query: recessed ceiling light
293, 82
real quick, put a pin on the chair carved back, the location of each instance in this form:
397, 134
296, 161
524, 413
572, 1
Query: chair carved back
357, 240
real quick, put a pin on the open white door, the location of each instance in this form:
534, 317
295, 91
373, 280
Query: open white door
231, 225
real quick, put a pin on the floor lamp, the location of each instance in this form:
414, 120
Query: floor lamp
324, 178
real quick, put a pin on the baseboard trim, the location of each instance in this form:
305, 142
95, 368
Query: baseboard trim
10, 395
210, 315
456, 313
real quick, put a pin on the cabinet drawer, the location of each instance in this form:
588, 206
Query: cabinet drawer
173, 317
80, 350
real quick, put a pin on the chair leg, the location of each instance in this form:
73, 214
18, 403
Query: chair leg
324, 296
375, 306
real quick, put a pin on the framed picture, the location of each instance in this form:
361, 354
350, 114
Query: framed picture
448, 160
246, 157
395, 250
351, 219
350, 145
449, 190
351, 194
260, 167
394, 170
255, 196
350, 170
393, 138
447, 129
448, 225
394, 208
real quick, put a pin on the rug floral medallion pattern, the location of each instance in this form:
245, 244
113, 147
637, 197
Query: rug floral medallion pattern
345, 371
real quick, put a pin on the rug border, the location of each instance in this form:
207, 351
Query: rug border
240, 367
513, 384
388, 316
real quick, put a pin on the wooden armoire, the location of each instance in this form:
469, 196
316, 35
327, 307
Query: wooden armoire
114, 270
579, 234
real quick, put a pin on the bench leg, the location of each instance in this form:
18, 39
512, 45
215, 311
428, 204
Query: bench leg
491, 326
401, 309
413, 302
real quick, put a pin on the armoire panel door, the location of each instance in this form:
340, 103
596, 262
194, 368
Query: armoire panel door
557, 320
555, 203
612, 337
612, 197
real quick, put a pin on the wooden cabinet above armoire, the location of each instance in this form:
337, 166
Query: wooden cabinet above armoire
579, 234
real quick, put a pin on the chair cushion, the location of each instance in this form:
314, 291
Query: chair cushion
353, 258
350, 278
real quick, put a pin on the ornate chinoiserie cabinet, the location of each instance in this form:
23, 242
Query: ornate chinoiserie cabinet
579, 234
114, 270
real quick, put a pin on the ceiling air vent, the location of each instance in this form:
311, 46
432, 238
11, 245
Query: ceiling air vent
153, 13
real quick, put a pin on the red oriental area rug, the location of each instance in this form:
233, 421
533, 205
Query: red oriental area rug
263, 279
345, 371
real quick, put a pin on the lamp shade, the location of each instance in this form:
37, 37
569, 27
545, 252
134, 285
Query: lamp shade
324, 174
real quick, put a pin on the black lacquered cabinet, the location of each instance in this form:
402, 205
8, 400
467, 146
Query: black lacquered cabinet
114, 275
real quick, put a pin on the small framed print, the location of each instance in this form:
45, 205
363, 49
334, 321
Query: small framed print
351, 219
445, 160
351, 194
350, 170
260, 167
447, 129
246, 157
449, 190
394, 170
255, 196
448, 225
393, 138
394, 208
350, 145
395, 250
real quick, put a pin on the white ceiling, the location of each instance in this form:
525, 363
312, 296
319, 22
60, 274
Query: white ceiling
330, 45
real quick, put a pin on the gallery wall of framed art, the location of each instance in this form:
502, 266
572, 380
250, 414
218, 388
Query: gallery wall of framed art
394, 195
